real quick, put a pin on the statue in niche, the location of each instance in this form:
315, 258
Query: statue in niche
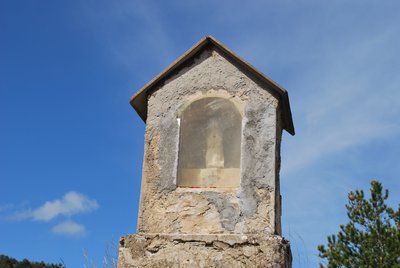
215, 150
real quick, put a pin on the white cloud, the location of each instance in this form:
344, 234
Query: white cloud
343, 88
72, 203
69, 227
351, 100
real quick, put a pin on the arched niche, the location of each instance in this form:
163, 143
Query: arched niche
209, 144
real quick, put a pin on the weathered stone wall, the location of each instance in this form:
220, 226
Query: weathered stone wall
278, 197
146, 250
247, 210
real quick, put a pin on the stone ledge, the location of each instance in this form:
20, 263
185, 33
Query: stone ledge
214, 250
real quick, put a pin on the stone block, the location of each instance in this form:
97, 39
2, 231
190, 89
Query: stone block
224, 250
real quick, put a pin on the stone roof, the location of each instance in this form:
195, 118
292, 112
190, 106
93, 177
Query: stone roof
139, 100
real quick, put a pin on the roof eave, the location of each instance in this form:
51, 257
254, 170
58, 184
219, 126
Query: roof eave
139, 100
140, 97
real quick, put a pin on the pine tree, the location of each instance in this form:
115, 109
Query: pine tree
371, 238
8, 262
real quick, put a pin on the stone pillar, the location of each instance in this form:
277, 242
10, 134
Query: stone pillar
211, 198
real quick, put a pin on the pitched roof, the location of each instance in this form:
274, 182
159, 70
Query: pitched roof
139, 100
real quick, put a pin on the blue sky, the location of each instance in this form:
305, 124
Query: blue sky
71, 147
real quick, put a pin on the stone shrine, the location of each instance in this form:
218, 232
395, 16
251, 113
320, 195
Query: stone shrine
210, 194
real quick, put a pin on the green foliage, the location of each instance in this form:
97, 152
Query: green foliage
7, 262
371, 238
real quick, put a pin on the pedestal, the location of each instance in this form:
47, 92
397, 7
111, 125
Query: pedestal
225, 250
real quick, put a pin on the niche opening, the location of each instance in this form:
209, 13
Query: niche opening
209, 146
